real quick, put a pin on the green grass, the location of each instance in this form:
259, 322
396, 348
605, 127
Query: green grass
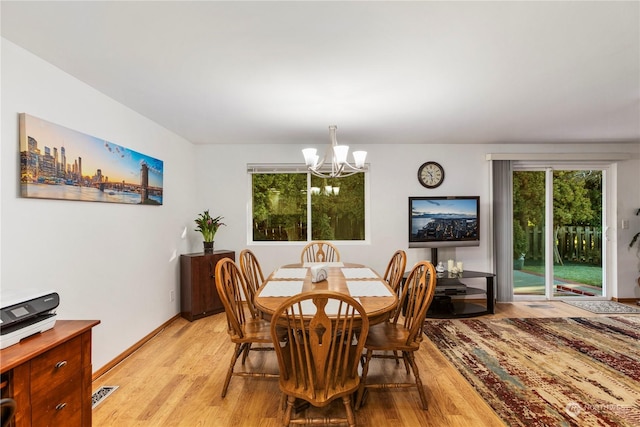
580, 273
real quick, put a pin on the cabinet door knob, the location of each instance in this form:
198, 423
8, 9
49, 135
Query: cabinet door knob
60, 406
61, 364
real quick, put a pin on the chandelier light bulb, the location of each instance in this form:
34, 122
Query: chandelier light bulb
310, 157
341, 152
359, 158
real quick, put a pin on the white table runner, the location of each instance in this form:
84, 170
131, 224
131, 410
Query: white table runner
359, 273
328, 264
290, 273
368, 288
281, 288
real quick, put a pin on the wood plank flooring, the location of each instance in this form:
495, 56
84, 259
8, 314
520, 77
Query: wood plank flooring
176, 378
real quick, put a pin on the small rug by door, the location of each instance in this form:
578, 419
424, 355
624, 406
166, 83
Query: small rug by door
604, 307
549, 371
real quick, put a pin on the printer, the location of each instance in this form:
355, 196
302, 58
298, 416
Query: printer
25, 312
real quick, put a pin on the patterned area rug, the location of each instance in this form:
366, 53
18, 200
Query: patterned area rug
549, 371
603, 307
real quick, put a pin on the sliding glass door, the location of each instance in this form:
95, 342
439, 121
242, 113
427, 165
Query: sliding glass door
558, 223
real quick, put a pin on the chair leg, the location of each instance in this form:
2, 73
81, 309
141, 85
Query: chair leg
283, 401
406, 362
351, 419
286, 417
416, 374
234, 357
363, 379
247, 348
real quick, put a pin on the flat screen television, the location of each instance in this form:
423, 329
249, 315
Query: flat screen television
436, 222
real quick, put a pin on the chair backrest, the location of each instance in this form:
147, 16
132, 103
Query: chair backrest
395, 269
8, 409
320, 252
232, 290
252, 273
319, 359
417, 294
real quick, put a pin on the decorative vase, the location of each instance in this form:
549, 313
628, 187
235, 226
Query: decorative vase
208, 247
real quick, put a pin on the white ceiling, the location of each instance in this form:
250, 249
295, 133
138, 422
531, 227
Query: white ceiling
383, 72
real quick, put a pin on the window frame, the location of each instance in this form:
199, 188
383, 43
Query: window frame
263, 168
502, 208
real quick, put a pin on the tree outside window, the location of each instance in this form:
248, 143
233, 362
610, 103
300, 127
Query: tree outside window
577, 198
280, 207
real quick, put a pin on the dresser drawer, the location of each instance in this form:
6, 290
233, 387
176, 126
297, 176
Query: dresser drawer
58, 406
56, 366
49, 376
56, 380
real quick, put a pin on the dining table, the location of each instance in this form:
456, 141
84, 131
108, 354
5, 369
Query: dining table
356, 280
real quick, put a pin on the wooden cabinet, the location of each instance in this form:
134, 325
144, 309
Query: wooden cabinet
198, 295
49, 376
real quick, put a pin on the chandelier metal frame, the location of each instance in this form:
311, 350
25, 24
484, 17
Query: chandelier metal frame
340, 167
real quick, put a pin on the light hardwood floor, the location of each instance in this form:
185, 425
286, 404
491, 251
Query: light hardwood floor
176, 378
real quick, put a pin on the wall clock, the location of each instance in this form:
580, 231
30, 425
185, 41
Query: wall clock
431, 174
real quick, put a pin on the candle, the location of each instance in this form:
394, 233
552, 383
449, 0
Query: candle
450, 265
459, 265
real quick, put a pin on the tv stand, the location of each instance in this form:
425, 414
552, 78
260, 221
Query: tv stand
450, 298
434, 256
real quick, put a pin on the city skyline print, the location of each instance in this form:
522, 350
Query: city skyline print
60, 163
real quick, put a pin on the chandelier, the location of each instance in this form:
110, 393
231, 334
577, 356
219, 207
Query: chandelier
339, 165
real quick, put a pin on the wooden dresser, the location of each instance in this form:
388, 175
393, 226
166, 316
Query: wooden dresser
49, 376
198, 295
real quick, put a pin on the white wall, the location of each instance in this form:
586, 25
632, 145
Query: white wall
393, 178
111, 262
116, 262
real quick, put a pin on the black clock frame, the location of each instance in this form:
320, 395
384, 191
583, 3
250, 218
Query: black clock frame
420, 174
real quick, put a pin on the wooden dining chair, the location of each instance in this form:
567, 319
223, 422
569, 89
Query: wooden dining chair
7, 411
393, 276
319, 357
244, 330
320, 251
402, 333
253, 276
395, 270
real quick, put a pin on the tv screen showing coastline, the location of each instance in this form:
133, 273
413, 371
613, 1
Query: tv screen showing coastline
444, 219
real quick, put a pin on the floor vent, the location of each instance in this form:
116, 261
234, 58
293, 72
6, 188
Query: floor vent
101, 394
539, 306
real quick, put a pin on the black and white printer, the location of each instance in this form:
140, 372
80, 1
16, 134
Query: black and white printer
25, 312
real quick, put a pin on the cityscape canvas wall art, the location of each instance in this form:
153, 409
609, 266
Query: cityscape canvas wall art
61, 163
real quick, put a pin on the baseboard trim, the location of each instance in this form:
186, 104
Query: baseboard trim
626, 300
128, 352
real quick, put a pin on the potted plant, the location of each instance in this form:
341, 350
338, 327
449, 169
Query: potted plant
208, 226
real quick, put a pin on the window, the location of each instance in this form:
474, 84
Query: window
557, 231
292, 205
337, 208
592, 177
279, 202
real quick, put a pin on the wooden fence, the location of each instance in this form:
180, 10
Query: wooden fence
575, 244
